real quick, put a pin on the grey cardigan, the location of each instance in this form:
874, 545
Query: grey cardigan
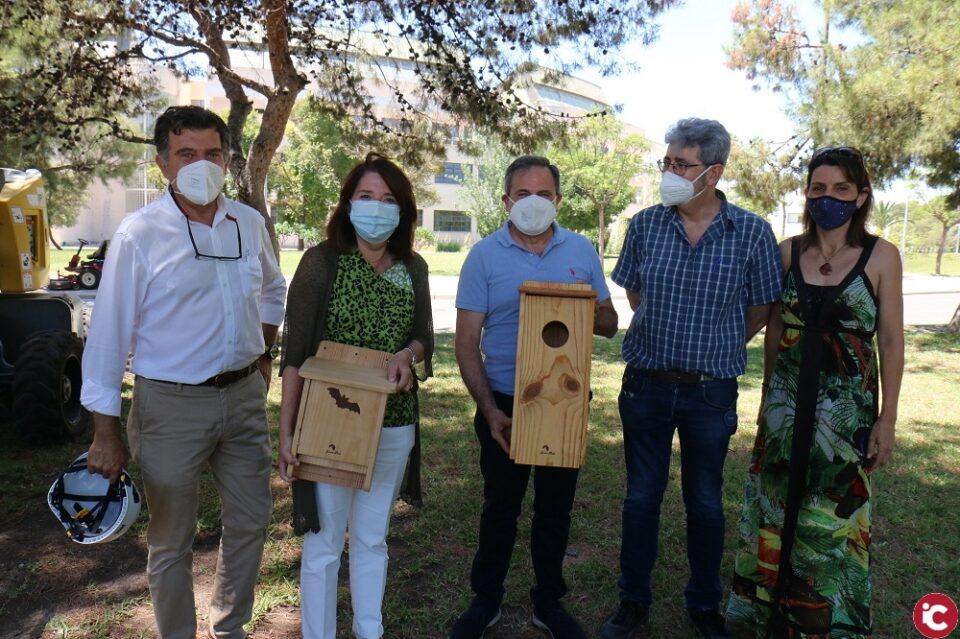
304, 329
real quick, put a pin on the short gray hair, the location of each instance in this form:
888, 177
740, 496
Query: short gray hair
709, 135
525, 162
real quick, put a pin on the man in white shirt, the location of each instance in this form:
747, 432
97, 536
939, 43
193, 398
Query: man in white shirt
192, 288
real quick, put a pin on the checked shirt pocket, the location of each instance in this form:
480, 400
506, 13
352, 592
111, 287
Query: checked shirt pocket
724, 283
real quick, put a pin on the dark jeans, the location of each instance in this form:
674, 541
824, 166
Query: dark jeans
504, 486
705, 414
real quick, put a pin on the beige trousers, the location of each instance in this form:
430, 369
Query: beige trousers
175, 433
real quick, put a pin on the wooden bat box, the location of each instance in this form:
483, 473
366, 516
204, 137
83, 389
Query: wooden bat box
552, 388
338, 428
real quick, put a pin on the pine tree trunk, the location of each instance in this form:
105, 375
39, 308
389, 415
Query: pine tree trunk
940, 249
250, 172
50, 235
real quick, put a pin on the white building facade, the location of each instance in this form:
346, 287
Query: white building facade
448, 218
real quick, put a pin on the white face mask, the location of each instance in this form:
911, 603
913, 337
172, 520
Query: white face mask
532, 215
678, 190
200, 182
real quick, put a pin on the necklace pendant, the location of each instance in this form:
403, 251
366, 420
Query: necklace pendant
826, 269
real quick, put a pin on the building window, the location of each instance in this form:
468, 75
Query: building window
398, 125
450, 132
140, 191
452, 221
137, 198
452, 173
419, 217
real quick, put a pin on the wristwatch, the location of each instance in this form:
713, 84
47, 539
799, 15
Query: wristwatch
273, 351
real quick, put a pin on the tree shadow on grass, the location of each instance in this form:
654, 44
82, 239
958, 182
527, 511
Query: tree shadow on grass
42, 573
916, 523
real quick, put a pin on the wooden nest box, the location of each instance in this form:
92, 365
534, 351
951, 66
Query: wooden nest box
552, 388
345, 391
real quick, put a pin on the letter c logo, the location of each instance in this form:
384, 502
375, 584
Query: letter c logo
935, 615
930, 612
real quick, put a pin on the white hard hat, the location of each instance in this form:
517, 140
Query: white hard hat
89, 507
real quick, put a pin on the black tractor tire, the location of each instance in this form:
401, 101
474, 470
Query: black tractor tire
46, 388
85, 314
89, 278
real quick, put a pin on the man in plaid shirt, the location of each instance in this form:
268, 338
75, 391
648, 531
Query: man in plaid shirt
701, 276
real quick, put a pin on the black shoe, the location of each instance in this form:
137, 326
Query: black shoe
475, 620
558, 623
708, 623
625, 621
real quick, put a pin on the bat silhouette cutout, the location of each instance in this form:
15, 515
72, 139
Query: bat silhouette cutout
342, 400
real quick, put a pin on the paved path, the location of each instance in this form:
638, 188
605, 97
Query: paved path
927, 300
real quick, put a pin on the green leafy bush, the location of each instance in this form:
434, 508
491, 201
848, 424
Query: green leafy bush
449, 247
423, 239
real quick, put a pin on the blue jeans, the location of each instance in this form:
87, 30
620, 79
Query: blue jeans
705, 414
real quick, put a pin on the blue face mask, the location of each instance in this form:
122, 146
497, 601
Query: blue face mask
829, 212
374, 221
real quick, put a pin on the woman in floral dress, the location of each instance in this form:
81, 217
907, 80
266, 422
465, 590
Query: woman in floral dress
827, 418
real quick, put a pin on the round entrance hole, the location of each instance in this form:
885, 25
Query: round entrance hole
555, 334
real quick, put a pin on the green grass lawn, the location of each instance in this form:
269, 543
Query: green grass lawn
440, 263
915, 532
451, 263
60, 258
925, 263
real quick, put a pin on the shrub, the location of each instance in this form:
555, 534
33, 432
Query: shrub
449, 247
615, 243
423, 238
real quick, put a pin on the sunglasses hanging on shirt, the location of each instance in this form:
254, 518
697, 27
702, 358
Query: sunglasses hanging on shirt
203, 256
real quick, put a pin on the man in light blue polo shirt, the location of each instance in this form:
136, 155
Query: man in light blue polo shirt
529, 246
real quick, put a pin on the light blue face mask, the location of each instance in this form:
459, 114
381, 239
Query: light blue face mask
374, 221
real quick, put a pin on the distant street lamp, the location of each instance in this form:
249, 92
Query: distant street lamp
903, 237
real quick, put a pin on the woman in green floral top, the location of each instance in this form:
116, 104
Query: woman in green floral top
364, 286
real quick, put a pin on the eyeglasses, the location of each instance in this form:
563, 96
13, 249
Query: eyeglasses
204, 256
843, 151
676, 167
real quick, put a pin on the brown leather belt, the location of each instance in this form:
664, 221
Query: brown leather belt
677, 377
220, 380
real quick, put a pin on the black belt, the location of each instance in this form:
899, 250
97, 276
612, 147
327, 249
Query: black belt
220, 380
677, 377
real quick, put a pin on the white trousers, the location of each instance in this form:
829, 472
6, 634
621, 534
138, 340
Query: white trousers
368, 517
